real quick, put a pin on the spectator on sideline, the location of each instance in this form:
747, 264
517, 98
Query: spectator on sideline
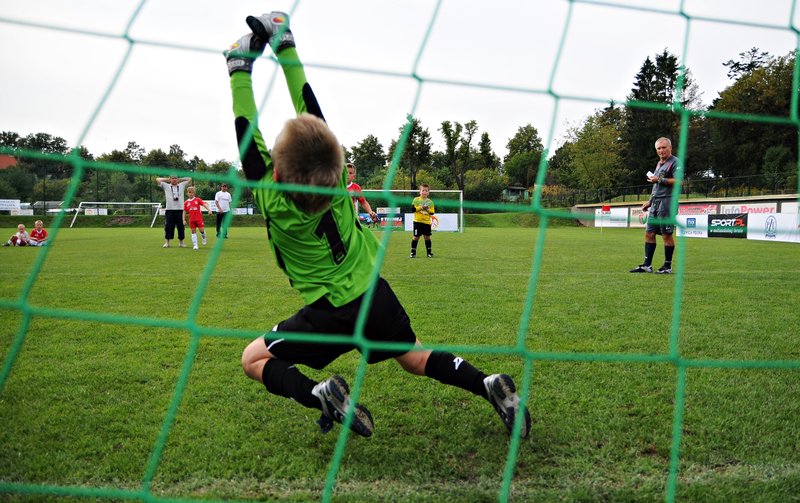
223, 200
326, 255
194, 208
38, 234
662, 179
173, 193
355, 190
423, 209
19, 238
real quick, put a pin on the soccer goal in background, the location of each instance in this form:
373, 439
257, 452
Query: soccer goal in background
395, 209
94, 208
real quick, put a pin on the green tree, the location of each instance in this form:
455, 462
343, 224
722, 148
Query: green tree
484, 185
595, 151
748, 61
739, 147
656, 84
560, 166
521, 163
460, 155
369, 157
20, 179
416, 152
486, 156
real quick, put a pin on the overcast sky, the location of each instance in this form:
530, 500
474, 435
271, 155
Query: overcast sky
370, 62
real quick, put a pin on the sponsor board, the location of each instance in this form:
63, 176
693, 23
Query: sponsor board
389, 217
755, 208
9, 204
777, 227
727, 225
692, 226
638, 218
789, 207
697, 209
613, 217
439, 222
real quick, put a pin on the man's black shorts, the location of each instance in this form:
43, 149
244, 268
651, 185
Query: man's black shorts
421, 229
659, 209
387, 321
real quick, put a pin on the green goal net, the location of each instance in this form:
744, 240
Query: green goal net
20, 313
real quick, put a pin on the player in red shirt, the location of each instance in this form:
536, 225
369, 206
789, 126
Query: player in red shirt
194, 206
355, 189
38, 234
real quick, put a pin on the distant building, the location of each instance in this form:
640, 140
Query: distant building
7, 161
516, 193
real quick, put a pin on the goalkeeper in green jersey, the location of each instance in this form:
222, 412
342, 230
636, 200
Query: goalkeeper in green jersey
326, 254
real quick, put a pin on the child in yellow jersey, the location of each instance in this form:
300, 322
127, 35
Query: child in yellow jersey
423, 209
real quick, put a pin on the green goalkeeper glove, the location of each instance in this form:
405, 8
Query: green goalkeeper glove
274, 28
243, 52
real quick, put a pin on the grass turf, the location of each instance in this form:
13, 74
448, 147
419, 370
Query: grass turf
102, 400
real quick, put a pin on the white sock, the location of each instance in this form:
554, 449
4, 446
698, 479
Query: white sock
194, 239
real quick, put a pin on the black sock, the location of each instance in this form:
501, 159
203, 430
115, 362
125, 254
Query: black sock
428, 245
414, 243
449, 369
668, 251
649, 251
283, 379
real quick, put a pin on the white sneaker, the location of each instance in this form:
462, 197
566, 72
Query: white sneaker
204, 241
195, 247
503, 396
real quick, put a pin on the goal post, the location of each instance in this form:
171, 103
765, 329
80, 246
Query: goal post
377, 198
103, 207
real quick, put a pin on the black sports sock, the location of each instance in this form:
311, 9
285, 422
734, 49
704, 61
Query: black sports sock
414, 243
283, 379
450, 369
668, 251
428, 245
649, 251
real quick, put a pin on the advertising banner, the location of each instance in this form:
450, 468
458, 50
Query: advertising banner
777, 227
439, 222
638, 218
789, 207
613, 217
9, 204
390, 217
692, 226
748, 208
727, 225
697, 209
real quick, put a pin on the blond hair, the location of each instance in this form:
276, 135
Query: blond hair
307, 152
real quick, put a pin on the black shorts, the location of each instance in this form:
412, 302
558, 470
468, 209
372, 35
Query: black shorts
387, 321
421, 229
660, 209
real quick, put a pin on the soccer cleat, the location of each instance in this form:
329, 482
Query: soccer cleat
642, 268
430, 255
165, 245
195, 247
503, 396
204, 240
413, 255
664, 270
6, 244
334, 394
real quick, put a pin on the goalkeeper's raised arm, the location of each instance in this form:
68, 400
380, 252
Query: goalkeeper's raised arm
327, 254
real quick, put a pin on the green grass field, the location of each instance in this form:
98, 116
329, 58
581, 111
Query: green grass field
102, 401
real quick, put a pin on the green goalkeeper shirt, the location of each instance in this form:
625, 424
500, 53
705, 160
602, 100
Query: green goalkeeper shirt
326, 254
